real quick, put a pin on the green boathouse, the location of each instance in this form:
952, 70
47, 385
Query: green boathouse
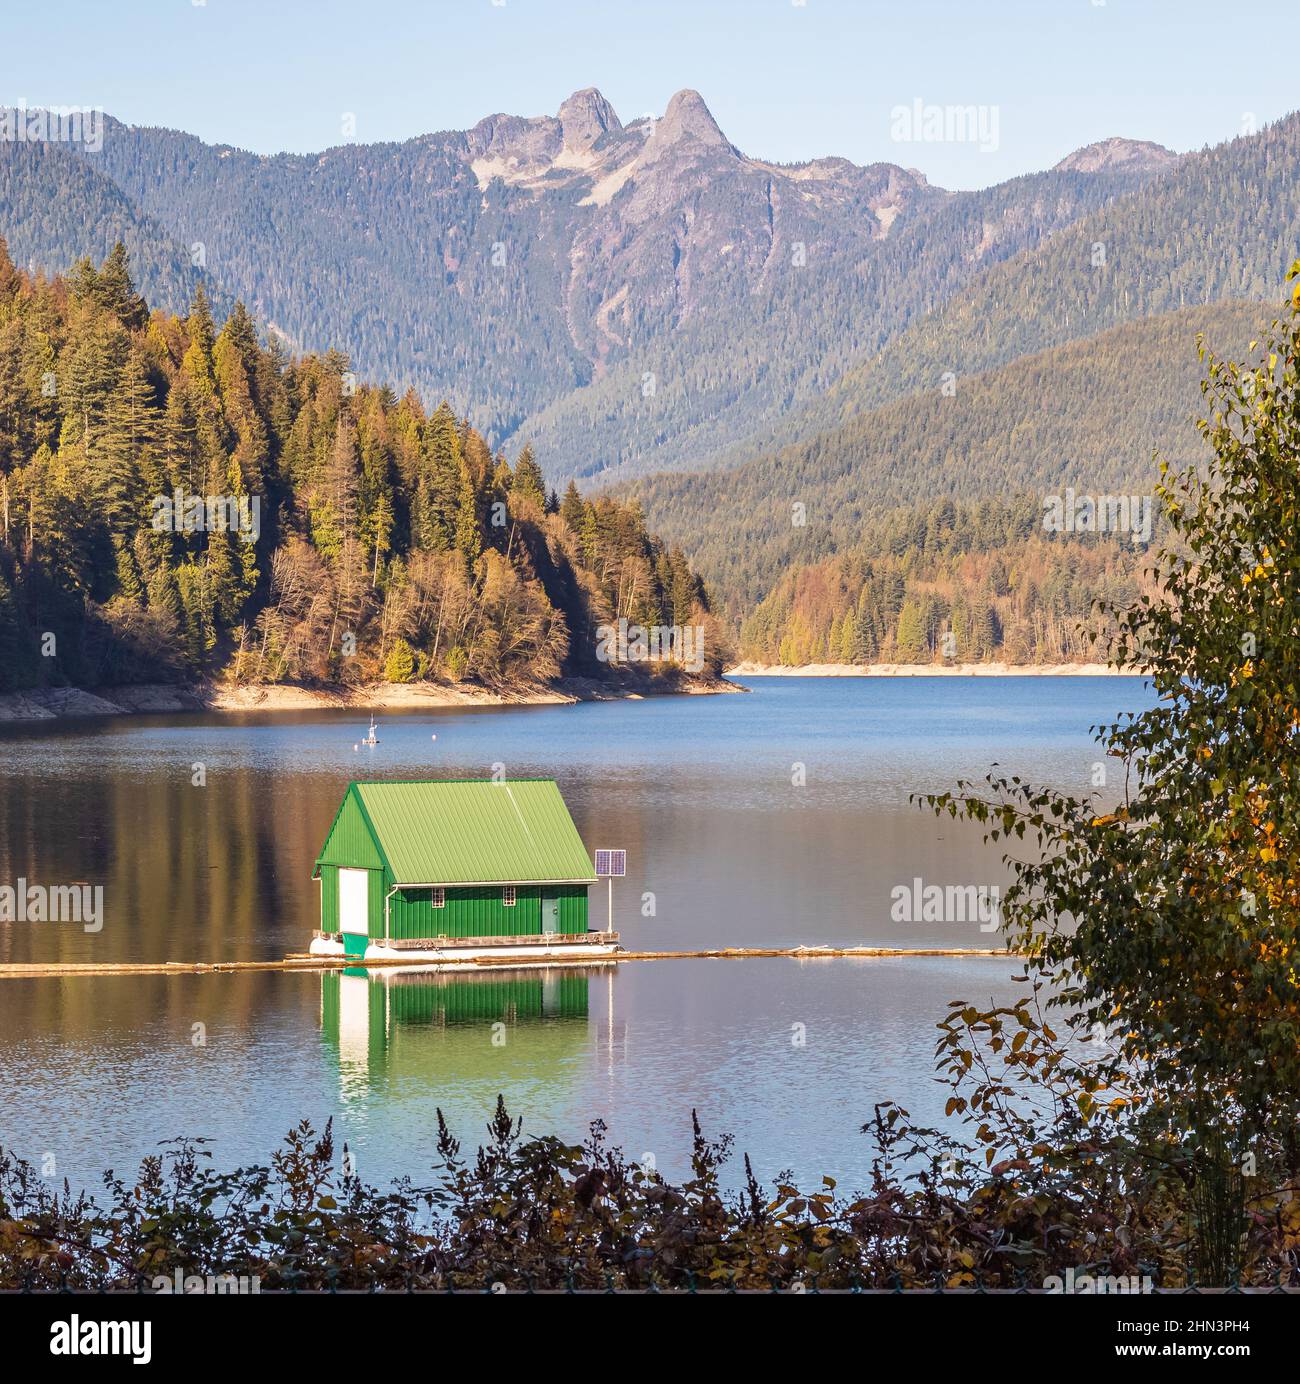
412, 865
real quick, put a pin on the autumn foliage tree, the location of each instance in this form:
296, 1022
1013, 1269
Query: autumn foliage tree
1171, 925
376, 521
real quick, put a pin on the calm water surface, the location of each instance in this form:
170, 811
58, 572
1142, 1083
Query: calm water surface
779, 817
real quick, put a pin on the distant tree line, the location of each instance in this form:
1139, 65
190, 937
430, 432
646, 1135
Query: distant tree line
948, 582
1088, 415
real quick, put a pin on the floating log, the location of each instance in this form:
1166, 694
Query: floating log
303, 962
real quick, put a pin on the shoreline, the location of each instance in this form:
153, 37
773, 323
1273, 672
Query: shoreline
747, 668
157, 699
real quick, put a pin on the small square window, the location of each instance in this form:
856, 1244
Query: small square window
508, 895
439, 898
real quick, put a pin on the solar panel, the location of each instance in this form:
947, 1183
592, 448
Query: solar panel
611, 863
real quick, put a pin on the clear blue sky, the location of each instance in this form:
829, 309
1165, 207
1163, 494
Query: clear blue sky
787, 80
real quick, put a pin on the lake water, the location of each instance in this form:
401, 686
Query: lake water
780, 817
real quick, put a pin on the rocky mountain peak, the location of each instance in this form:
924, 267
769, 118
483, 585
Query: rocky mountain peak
687, 121
1118, 155
585, 117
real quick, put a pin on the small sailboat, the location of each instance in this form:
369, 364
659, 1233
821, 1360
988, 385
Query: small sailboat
372, 738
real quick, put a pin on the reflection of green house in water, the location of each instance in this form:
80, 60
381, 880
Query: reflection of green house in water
440, 1026
444, 870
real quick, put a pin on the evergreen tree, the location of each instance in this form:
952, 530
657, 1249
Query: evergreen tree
469, 541
438, 495
116, 293
127, 457
129, 584
571, 508
910, 640
399, 666
529, 482
202, 334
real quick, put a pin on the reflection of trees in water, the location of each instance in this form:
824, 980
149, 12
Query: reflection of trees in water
213, 873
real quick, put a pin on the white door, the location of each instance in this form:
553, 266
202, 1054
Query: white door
354, 901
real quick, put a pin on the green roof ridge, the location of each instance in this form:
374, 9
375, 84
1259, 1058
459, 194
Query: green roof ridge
482, 837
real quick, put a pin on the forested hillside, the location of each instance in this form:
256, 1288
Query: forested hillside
56, 206
727, 382
633, 296
1223, 226
384, 252
962, 583
766, 358
1088, 415
373, 539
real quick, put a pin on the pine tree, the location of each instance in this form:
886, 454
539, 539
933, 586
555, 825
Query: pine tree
115, 292
438, 492
844, 650
910, 644
334, 505
222, 580
469, 541
202, 333
571, 508
399, 666
127, 456
529, 483
129, 584
164, 596
684, 591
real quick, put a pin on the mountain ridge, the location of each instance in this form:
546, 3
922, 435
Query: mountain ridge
510, 266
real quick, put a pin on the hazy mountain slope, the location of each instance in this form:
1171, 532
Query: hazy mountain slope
719, 382
57, 207
1087, 415
505, 265
1224, 225
368, 248
643, 297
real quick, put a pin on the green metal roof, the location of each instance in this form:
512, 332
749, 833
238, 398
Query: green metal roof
475, 831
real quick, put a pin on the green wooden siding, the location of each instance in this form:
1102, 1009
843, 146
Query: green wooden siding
379, 886
573, 908
476, 912
329, 898
479, 912
350, 842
